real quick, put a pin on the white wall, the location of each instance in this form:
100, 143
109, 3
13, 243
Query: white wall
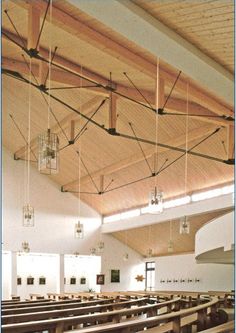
55, 214
37, 265
219, 233
6, 273
112, 258
212, 276
78, 267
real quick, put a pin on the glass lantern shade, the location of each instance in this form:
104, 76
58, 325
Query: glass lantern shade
100, 247
149, 253
48, 159
184, 227
28, 216
92, 251
170, 246
25, 247
79, 230
155, 202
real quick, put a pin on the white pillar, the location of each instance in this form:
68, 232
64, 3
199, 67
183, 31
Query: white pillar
61, 273
13, 274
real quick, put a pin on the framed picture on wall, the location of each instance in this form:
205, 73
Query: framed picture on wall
83, 280
19, 282
115, 275
42, 280
30, 280
100, 278
72, 280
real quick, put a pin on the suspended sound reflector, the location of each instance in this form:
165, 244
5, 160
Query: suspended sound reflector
155, 202
79, 230
184, 226
48, 160
28, 216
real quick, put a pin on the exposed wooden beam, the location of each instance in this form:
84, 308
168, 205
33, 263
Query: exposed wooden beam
64, 124
43, 71
174, 104
102, 42
112, 111
136, 158
72, 130
33, 26
101, 188
230, 142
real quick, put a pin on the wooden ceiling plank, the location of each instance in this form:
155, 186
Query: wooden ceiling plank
178, 141
64, 123
173, 104
33, 27
230, 142
112, 111
71, 25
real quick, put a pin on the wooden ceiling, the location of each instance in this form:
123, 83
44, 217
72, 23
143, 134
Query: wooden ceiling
207, 24
157, 236
96, 53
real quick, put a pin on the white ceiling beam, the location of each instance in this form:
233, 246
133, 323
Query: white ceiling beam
190, 209
144, 30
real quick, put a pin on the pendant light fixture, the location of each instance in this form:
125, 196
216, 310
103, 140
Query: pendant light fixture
126, 254
155, 203
93, 251
48, 142
184, 227
149, 251
79, 230
25, 247
100, 248
48, 156
28, 210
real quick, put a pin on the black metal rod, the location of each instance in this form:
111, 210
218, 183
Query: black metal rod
98, 108
13, 74
145, 99
108, 185
162, 169
14, 27
73, 87
50, 109
139, 144
87, 171
109, 89
49, 64
42, 26
22, 135
126, 136
177, 78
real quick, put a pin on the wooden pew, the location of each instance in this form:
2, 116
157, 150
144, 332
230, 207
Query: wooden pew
56, 305
57, 325
169, 322
223, 328
16, 318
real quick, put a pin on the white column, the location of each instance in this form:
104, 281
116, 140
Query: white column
61, 273
13, 274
